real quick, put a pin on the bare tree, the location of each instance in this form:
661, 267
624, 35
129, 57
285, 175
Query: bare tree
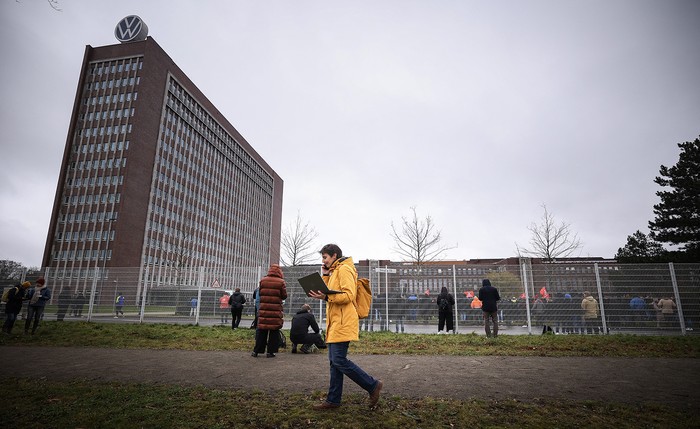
417, 240
11, 270
550, 240
297, 243
53, 3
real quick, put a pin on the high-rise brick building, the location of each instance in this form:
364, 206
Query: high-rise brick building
155, 177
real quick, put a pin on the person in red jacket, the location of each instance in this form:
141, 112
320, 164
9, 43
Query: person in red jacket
273, 290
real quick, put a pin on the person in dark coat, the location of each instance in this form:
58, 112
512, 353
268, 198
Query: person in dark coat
14, 306
299, 334
273, 290
236, 301
78, 303
445, 301
397, 310
38, 297
64, 302
489, 298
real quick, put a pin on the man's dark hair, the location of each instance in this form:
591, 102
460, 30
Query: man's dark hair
331, 249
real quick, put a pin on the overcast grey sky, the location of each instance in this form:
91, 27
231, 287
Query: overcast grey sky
475, 112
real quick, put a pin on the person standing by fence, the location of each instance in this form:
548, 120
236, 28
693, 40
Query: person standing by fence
37, 302
589, 305
668, 308
489, 306
118, 305
14, 306
224, 308
273, 290
236, 301
445, 301
65, 300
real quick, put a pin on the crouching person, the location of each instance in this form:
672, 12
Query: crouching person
299, 334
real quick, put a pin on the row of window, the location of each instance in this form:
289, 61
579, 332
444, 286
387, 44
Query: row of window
88, 217
107, 99
95, 181
92, 199
84, 255
86, 236
214, 134
101, 147
116, 66
108, 130
112, 83
98, 163
111, 114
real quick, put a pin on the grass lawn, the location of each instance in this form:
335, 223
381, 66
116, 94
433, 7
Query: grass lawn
41, 403
81, 404
190, 337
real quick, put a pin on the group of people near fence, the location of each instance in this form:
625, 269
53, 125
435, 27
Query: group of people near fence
36, 298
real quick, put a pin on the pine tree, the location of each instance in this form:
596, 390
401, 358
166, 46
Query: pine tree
678, 214
640, 248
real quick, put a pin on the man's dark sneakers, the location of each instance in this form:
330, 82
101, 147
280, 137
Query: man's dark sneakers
374, 396
325, 406
254, 354
305, 349
294, 347
270, 355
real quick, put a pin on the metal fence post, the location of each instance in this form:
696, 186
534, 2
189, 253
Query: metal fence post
600, 299
386, 295
200, 281
681, 319
456, 309
91, 304
143, 299
527, 299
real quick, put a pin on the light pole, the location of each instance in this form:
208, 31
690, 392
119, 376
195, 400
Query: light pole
104, 259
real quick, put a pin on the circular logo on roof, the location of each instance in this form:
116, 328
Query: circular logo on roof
131, 29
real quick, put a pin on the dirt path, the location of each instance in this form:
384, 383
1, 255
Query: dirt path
670, 381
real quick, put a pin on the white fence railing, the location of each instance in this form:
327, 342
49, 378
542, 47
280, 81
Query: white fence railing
641, 298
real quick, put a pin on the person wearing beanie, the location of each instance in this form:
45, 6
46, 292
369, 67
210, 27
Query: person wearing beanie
273, 290
489, 298
14, 306
299, 333
38, 297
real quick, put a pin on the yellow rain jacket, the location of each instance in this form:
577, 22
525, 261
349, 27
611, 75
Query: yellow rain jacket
342, 323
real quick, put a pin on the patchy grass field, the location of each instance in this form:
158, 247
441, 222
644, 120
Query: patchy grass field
189, 337
80, 404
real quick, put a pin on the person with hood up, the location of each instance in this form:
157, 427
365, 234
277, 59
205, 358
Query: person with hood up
489, 297
342, 326
299, 334
236, 301
14, 306
273, 290
445, 301
37, 302
589, 305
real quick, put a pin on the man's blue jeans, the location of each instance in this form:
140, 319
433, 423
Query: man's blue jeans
341, 365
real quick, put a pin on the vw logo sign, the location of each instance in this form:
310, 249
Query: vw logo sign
131, 29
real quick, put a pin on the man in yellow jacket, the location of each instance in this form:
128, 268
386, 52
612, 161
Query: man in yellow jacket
342, 326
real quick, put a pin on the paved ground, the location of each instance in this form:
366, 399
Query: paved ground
674, 382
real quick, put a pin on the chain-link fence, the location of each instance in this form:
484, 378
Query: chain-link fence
561, 298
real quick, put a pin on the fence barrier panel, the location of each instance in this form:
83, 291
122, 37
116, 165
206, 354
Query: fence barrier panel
536, 297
